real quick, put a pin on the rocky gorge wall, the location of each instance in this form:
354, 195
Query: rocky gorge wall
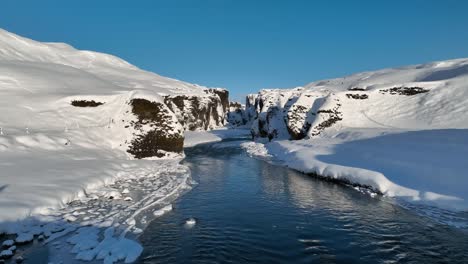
148, 125
195, 112
160, 126
300, 113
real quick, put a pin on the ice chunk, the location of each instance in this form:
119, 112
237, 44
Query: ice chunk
191, 222
6, 254
24, 238
8, 243
163, 210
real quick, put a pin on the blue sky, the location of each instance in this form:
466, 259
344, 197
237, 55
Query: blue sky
246, 45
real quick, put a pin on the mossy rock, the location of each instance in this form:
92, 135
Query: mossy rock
86, 103
155, 142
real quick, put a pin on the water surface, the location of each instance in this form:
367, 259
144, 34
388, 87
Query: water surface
250, 211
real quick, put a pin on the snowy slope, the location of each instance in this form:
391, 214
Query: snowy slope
403, 132
73, 125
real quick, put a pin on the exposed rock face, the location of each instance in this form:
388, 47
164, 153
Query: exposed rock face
323, 108
200, 112
156, 130
151, 125
223, 96
85, 103
236, 116
300, 114
268, 109
292, 114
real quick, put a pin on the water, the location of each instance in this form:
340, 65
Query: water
248, 211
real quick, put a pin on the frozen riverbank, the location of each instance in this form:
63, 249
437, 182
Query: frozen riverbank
81, 204
418, 166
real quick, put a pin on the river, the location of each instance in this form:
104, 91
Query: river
250, 211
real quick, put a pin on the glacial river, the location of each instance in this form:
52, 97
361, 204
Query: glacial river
250, 211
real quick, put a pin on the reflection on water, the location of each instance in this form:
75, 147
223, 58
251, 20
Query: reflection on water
249, 211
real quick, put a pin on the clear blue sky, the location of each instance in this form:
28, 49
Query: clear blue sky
246, 45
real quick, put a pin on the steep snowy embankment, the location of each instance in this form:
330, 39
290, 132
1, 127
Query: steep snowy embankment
403, 132
75, 123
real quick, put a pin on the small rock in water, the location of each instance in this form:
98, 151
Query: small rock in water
125, 191
128, 199
24, 238
8, 243
5, 254
190, 222
19, 259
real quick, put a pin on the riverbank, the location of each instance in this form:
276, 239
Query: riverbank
418, 166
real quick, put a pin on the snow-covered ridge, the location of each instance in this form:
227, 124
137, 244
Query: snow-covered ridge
38, 82
75, 126
402, 131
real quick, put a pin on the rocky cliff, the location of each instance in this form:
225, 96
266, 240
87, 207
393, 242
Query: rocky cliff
200, 112
413, 97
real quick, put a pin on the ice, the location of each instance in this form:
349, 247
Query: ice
163, 210
102, 228
24, 237
191, 222
6, 254
8, 243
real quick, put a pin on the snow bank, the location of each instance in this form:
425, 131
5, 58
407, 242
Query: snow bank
91, 199
193, 138
400, 164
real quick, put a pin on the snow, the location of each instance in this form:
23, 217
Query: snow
163, 210
193, 138
155, 184
6, 253
191, 222
407, 146
395, 164
8, 243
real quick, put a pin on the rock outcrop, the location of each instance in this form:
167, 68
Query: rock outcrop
107, 102
200, 112
153, 125
236, 116
398, 99
157, 131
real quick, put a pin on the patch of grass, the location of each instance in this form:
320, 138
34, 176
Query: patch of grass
85, 103
356, 89
408, 91
157, 140
357, 96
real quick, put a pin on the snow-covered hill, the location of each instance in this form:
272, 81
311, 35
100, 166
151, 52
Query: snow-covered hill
403, 131
75, 123
38, 82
